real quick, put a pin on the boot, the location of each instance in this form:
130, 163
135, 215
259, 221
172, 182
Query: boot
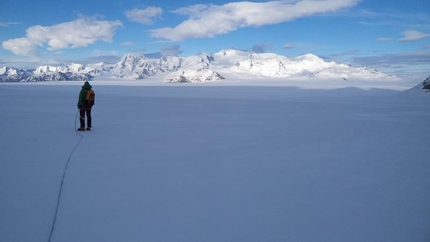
81, 129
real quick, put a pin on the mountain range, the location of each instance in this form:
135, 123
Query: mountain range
202, 67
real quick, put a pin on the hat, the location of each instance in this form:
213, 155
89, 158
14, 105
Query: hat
86, 85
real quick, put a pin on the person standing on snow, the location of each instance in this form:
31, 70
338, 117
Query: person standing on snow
85, 103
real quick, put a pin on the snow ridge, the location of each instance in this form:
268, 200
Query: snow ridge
202, 67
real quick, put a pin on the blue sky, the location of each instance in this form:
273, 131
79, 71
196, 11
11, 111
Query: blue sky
390, 35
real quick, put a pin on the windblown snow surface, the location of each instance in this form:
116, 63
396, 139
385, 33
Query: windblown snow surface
184, 163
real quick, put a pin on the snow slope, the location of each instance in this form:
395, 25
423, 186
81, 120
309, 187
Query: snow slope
195, 163
421, 89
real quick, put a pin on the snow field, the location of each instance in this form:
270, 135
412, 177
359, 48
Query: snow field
187, 163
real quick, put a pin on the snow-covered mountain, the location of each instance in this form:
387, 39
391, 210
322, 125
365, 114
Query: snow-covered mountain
11, 74
305, 66
422, 88
426, 84
140, 67
201, 68
44, 73
199, 75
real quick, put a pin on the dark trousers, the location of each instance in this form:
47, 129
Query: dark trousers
82, 114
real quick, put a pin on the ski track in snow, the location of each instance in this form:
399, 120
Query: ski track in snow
187, 163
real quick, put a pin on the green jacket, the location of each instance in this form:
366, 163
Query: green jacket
83, 94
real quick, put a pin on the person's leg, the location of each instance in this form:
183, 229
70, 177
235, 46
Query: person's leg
89, 119
82, 118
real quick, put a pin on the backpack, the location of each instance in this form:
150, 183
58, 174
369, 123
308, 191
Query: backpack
90, 99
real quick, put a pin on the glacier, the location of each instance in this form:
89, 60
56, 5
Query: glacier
214, 164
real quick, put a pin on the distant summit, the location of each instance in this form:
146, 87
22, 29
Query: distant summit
426, 84
423, 88
202, 67
45, 73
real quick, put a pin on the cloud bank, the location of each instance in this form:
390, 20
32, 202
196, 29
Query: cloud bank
74, 34
211, 20
143, 16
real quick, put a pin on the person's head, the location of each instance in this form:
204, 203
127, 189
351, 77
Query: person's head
87, 86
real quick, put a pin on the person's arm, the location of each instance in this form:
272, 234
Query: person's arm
80, 99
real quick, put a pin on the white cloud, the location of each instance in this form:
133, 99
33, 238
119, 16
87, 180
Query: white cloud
78, 33
309, 47
128, 43
407, 58
143, 16
21, 46
171, 50
261, 48
383, 39
288, 46
3, 24
210, 20
164, 51
104, 53
412, 35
